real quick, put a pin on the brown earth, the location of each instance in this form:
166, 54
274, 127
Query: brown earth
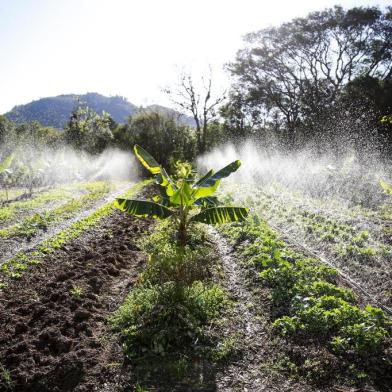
53, 330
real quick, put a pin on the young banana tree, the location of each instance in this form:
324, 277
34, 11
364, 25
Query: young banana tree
186, 200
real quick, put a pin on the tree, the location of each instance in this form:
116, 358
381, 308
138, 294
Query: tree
200, 104
300, 68
160, 133
88, 131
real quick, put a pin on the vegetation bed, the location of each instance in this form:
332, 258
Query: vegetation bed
351, 343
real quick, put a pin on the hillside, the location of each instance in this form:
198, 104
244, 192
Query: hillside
55, 111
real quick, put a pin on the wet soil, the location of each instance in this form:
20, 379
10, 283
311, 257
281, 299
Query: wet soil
53, 330
253, 367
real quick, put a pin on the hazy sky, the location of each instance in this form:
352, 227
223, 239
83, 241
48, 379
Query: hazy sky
127, 47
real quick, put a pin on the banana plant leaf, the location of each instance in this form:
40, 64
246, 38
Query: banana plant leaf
221, 215
205, 191
202, 179
144, 208
208, 181
183, 196
211, 201
147, 160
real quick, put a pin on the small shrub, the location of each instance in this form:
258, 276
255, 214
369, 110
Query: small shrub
169, 262
164, 317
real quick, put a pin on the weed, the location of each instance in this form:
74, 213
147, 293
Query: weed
226, 348
162, 318
139, 388
5, 377
76, 291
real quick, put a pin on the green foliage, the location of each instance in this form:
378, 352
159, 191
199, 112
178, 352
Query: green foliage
162, 134
309, 306
167, 312
386, 119
5, 378
169, 262
183, 196
76, 291
286, 89
164, 317
88, 131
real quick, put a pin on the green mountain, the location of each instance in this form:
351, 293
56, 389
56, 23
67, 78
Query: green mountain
55, 111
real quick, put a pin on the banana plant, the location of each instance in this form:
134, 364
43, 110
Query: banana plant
185, 200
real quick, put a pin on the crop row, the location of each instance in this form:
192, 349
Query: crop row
350, 245
13, 268
40, 200
310, 307
31, 224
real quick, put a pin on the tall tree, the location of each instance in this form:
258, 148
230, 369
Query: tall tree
88, 131
161, 133
299, 68
199, 103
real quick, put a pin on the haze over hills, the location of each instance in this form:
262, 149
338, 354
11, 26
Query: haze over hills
55, 111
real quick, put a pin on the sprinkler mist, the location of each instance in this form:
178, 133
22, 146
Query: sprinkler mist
333, 208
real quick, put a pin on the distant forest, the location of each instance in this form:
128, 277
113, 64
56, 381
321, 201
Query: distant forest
322, 81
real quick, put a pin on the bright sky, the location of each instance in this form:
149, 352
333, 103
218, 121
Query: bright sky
125, 47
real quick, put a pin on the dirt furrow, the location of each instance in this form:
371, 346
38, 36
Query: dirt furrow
53, 330
11, 246
250, 369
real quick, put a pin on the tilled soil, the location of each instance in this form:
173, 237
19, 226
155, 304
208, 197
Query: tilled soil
53, 329
9, 247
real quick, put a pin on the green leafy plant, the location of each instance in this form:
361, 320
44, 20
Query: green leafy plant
76, 291
161, 318
179, 199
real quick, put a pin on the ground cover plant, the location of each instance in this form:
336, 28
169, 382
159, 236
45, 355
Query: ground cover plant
311, 308
353, 242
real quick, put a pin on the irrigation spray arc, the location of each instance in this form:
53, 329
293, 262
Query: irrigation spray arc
335, 208
34, 169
